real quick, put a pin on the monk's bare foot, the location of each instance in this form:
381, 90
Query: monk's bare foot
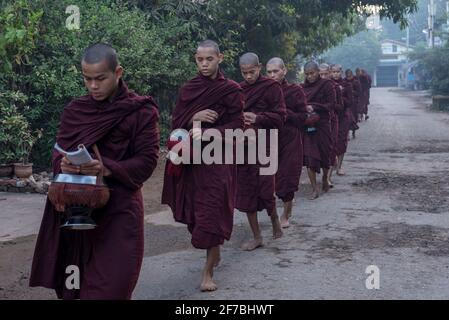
314, 195
208, 285
326, 186
252, 244
284, 222
341, 173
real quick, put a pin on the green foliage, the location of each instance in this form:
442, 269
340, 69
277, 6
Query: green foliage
436, 62
360, 51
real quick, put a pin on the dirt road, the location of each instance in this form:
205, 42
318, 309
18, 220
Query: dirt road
391, 211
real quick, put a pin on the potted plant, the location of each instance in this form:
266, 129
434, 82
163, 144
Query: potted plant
22, 141
6, 143
25, 140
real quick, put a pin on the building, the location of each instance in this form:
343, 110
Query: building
389, 71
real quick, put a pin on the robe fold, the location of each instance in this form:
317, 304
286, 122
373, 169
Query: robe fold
203, 196
265, 98
335, 123
344, 116
317, 146
365, 88
109, 257
290, 142
356, 101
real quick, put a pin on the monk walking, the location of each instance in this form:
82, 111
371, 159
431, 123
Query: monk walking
290, 139
344, 115
264, 109
202, 196
357, 94
124, 127
320, 94
325, 73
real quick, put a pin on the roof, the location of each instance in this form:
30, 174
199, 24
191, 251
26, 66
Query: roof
399, 43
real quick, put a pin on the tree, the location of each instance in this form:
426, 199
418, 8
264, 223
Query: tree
367, 47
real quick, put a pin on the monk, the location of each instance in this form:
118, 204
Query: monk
344, 115
369, 82
203, 195
124, 126
357, 94
321, 97
362, 76
325, 73
290, 138
264, 109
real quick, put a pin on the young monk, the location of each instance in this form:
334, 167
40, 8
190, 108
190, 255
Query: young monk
290, 139
344, 115
264, 109
325, 73
320, 94
124, 127
357, 93
202, 196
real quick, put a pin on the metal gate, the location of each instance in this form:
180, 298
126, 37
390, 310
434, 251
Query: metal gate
387, 76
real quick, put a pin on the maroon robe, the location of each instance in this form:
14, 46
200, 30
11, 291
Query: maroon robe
203, 196
335, 124
109, 257
265, 98
290, 142
344, 116
317, 146
365, 87
357, 94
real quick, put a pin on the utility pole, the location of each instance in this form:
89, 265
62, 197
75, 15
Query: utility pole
431, 23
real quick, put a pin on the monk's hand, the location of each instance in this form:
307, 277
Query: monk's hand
92, 168
68, 167
309, 108
250, 118
207, 115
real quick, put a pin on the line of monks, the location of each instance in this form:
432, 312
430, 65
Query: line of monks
314, 120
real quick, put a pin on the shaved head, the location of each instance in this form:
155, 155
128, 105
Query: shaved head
311, 65
337, 67
99, 52
249, 59
277, 61
324, 67
209, 44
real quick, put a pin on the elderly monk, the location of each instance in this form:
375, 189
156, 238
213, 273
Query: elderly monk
321, 97
290, 139
344, 115
325, 73
203, 195
357, 94
124, 126
264, 110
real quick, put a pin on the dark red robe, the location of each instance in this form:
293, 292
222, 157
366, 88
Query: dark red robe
203, 196
109, 257
335, 124
355, 108
265, 98
317, 146
344, 116
290, 142
365, 88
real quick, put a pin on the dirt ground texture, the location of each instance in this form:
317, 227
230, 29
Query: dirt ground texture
390, 210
